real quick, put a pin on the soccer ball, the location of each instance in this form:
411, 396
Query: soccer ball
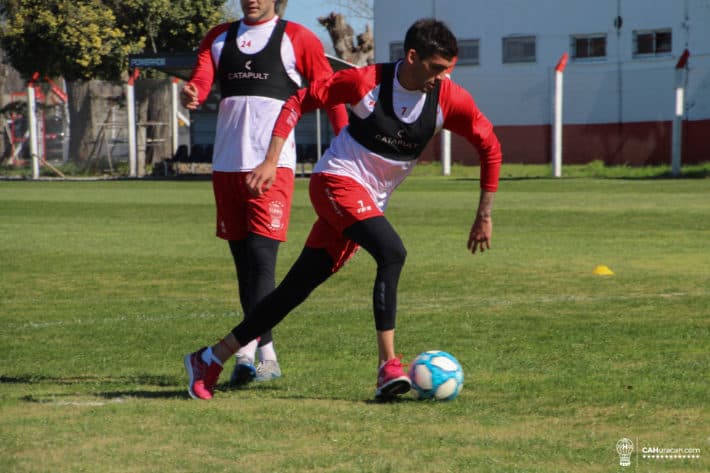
436, 375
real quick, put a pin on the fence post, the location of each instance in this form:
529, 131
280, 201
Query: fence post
677, 133
174, 115
445, 152
557, 125
32, 123
131, 112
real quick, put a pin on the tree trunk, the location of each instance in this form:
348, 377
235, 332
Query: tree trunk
341, 33
160, 111
153, 110
10, 81
90, 105
81, 130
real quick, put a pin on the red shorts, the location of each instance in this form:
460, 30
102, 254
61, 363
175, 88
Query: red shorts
240, 213
339, 202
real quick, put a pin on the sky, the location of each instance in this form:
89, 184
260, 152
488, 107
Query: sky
306, 12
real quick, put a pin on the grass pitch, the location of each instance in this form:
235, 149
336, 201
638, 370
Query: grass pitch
104, 286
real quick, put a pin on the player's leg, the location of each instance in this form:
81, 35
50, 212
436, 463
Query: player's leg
266, 220
255, 260
231, 200
312, 268
268, 217
228, 188
348, 207
325, 252
263, 252
377, 236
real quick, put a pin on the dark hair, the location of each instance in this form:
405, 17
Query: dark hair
429, 37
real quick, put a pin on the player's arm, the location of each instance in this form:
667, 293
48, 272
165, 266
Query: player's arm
260, 179
346, 86
314, 66
198, 87
479, 238
462, 116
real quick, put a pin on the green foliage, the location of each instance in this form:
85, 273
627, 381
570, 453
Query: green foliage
167, 25
91, 39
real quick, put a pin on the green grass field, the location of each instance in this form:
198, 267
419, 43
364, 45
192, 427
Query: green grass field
104, 286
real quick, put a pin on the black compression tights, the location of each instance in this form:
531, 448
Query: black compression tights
314, 266
255, 260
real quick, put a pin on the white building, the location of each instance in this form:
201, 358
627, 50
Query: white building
619, 84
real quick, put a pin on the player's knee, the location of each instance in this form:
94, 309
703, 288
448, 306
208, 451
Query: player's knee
262, 253
394, 254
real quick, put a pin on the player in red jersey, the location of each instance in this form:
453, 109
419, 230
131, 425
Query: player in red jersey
259, 62
395, 111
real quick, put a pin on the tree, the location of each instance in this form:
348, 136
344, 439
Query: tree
83, 40
355, 8
342, 34
77, 40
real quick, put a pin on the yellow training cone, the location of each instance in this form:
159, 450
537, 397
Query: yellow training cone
602, 270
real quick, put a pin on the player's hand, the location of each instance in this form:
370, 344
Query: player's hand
188, 96
480, 236
260, 179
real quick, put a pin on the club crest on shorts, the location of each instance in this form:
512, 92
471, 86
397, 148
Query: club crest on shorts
276, 211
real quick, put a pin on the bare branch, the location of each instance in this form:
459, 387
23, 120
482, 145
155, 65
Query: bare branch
354, 8
341, 34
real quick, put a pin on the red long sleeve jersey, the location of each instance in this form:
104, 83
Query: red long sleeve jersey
360, 88
244, 123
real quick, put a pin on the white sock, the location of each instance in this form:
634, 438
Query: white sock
249, 350
267, 352
209, 358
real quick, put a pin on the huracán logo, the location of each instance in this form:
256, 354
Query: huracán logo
624, 448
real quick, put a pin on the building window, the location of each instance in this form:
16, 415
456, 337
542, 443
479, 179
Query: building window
396, 51
588, 46
519, 49
468, 52
653, 42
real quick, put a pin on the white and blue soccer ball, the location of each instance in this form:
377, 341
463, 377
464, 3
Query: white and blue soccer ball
436, 375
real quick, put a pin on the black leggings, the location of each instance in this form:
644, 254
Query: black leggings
255, 260
315, 265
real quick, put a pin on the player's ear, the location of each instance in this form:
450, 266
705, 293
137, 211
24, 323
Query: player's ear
410, 56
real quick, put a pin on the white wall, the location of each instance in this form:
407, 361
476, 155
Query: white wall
616, 88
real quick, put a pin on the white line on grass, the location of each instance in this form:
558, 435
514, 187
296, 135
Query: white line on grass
439, 301
53, 402
121, 318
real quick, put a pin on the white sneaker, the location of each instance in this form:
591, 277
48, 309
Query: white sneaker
244, 371
267, 370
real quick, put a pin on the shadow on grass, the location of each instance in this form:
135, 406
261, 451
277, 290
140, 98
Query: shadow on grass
283, 393
146, 379
100, 390
100, 386
102, 398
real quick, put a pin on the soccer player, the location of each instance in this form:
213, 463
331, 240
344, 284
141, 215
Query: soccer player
395, 111
259, 62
